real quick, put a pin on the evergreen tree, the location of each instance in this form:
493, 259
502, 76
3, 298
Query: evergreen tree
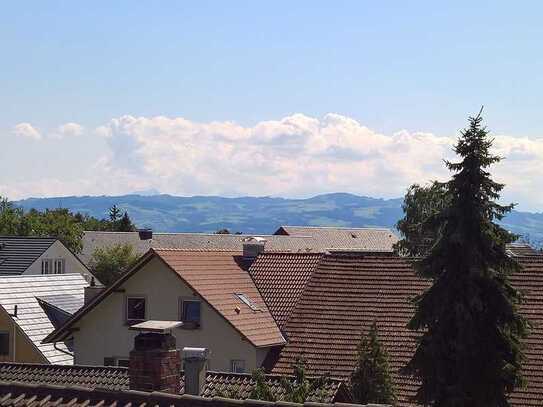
125, 224
114, 214
371, 381
299, 389
261, 390
470, 351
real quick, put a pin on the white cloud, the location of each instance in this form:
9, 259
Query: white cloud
27, 130
68, 130
295, 156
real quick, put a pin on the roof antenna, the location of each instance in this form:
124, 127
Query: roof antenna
15, 309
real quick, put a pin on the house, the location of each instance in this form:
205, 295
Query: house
295, 239
333, 237
154, 378
346, 291
30, 255
144, 240
31, 306
210, 291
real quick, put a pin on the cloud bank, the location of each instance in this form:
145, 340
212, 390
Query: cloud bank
26, 130
295, 156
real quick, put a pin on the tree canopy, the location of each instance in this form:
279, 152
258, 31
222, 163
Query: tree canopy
371, 381
60, 223
470, 350
109, 263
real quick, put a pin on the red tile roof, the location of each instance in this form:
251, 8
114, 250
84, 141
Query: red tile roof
26, 395
235, 385
281, 278
349, 291
218, 276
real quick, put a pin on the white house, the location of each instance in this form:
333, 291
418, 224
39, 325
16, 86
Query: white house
29, 255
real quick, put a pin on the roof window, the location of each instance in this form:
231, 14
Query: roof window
244, 299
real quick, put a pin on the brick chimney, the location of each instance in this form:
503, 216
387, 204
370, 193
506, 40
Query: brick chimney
155, 362
195, 365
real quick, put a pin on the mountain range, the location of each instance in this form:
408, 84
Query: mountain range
262, 215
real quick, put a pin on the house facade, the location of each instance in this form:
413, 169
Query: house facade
209, 291
29, 255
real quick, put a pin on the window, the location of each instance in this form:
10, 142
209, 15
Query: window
4, 343
244, 299
52, 266
190, 313
58, 266
237, 366
135, 309
46, 266
123, 362
109, 361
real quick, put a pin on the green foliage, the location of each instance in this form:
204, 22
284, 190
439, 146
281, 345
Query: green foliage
299, 390
59, 223
222, 232
125, 224
261, 390
371, 381
469, 353
420, 224
109, 263
114, 214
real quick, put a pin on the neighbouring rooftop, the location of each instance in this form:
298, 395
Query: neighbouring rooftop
235, 385
17, 253
31, 318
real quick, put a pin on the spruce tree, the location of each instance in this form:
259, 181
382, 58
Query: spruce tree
470, 352
371, 381
114, 214
125, 224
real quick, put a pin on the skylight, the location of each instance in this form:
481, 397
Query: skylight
244, 299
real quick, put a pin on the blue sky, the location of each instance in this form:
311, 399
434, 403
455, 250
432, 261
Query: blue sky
417, 67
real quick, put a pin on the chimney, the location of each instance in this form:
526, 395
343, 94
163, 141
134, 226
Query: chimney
155, 363
92, 291
145, 234
195, 361
252, 247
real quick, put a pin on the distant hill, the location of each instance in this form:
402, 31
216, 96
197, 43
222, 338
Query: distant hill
168, 213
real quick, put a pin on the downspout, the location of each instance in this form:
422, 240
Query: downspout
62, 350
14, 336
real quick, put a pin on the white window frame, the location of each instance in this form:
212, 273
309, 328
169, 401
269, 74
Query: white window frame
135, 297
47, 266
59, 266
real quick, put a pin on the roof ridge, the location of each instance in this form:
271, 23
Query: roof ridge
337, 227
173, 249
62, 367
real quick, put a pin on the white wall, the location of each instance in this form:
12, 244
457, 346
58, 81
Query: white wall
58, 251
103, 332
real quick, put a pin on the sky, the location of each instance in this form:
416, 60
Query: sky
264, 98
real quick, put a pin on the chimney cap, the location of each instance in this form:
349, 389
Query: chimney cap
197, 353
156, 326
